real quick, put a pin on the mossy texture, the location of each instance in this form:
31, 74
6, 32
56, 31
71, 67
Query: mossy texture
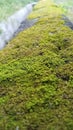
36, 75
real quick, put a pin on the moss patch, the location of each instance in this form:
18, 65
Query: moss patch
36, 79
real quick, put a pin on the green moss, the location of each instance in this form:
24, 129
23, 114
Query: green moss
36, 79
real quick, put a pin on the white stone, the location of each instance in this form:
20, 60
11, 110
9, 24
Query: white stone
9, 27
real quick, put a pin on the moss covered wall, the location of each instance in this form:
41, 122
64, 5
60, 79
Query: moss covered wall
36, 74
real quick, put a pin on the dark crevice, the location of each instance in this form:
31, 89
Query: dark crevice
67, 22
25, 24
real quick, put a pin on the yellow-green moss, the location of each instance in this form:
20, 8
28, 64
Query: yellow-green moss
36, 79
